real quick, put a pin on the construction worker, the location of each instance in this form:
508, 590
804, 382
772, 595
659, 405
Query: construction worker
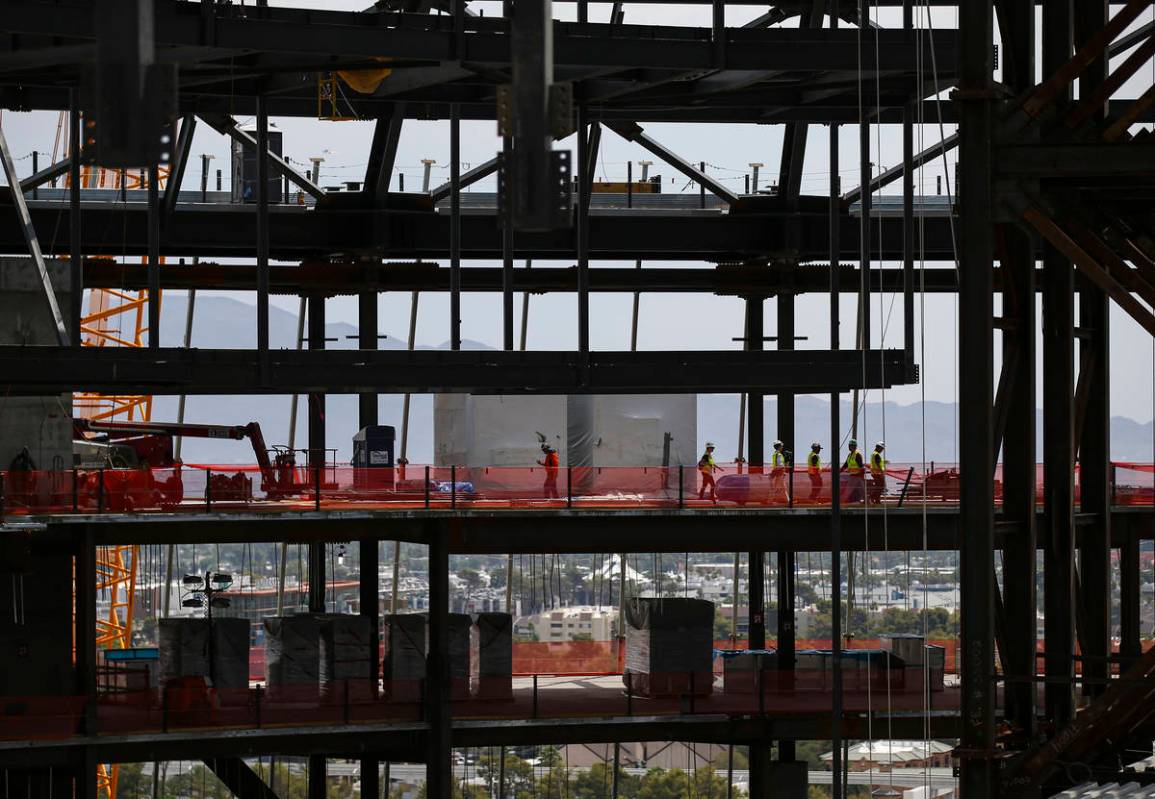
707, 467
853, 466
877, 471
551, 463
814, 470
779, 464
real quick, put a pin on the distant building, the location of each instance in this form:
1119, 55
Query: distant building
567, 624
885, 755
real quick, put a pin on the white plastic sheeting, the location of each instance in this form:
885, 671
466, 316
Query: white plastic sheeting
594, 430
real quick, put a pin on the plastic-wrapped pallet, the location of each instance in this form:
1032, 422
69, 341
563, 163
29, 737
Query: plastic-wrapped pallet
184, 649
811, 670
184, 656
491, 656
292, 656
404, 664
231, 641
669, 646
459, 626
346, 659
744, 670
936, 658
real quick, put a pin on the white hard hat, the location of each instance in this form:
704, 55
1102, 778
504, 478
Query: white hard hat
709, 445
777, 443
815, 445
880, 445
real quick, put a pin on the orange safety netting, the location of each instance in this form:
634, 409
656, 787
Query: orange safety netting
245, 487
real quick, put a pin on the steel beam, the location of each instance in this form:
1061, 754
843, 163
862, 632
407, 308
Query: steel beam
31, 241
202, 371
181, 155
334, 278
888, 176
1058, 422
976, 423
75, 236
209, 232
154, 219
633, 132
439, 770
262, 146
383, 153
226, 125
1094, 442
467, 178
239, 778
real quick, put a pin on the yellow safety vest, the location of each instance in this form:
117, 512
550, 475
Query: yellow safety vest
778, 460
814, 461
877, 463
853, 462
706, 464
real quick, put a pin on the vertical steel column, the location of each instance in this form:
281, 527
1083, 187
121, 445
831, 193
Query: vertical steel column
263, 236
1058, 427
1095, 445
316, 454
455, 225
581, 231
317, 786
371, 609
153, 257
76, 262
976, 416
439, 770
865, 196
908, 224
786, 560
835, 212
507, 245
367, 412
1130, 646
84, 613
1020, 551
755, 446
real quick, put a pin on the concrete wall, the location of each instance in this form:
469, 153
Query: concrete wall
43, 424
599, 430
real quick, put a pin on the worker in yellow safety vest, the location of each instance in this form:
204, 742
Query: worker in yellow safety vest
878, 470
814, 470
707, 467
855, 473
779, 467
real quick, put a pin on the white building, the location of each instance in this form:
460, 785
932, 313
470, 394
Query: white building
580, 622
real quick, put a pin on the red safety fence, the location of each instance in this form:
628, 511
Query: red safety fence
225, 488
187, 704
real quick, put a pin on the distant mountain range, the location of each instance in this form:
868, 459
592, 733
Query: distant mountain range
222, 322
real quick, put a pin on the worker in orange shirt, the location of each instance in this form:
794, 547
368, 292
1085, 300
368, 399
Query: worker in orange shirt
551, 462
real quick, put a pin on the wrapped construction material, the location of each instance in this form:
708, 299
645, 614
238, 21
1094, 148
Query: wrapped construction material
404, 663
743, 671
460, 625
292, 656
184, 655
346, 657
669, 644
936, 660
909, 647
491, 656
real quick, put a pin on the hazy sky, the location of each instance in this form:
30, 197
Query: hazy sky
666, 321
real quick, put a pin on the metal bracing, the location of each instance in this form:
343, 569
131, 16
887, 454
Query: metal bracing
383, 153
225, 124
181, 155
32, 242
634, 133
468, 178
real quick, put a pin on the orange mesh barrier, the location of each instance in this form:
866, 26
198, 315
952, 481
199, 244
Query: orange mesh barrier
244, 487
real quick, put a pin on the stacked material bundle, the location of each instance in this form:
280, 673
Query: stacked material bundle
404, 665
346, 657
184, 655
460, 625
669, 644
920, 658
743, 671
491, 654
292, 656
